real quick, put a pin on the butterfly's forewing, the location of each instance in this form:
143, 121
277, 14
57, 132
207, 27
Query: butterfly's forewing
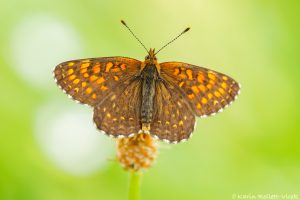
90, 80
173, 119
206, 91
119, 113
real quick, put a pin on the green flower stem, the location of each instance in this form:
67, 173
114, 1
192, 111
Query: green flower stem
134, 185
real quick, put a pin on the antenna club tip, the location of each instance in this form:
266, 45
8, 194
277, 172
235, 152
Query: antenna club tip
187, 29
123, 22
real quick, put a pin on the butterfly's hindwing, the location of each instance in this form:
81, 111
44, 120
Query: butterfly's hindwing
119, 113
173, 119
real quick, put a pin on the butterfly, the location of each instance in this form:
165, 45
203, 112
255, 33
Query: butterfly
130, 97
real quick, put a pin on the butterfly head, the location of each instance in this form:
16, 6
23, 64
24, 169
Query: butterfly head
151, 58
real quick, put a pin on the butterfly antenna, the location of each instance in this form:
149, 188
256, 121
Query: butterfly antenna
123, 22
185, 30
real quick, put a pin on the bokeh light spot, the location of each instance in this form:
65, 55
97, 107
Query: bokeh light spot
69, 138
38, 44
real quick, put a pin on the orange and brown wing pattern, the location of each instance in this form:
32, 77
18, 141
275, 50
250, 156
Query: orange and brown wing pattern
173, 120
119, 114
90, 80
206, 91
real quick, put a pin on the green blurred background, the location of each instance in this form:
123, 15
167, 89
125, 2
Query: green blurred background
49, 148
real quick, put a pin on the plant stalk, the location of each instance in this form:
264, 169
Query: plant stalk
134, 185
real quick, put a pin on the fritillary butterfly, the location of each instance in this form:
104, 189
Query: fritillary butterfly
131, 97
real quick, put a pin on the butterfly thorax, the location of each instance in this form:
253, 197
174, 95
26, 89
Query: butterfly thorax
149, 77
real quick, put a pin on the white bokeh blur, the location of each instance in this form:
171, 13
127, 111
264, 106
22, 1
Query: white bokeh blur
38, 44
69, 138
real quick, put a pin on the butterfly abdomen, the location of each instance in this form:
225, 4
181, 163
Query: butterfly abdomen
149, 76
